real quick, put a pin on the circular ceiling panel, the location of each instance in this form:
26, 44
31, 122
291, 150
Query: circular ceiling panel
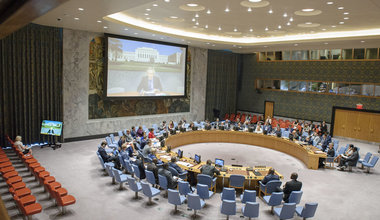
308, 25
249, 4
308, 13
192, 7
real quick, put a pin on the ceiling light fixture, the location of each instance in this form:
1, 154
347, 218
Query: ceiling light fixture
346, 18
197, 15
208, 11
167, 0
279, 26
99, 21
266, 29
146, 14
206, 26
295, 44
340, 8
326, 43
270, 11
249, 9
285, 15
174, 17
288, 23
136, 33
76, 19
227, 10
105, 27
330, 3
219, 28
362, 41
80, 9
307, 9
341, 22
250, 30
213, 45
346, 13
197, 23
265, 46
333, 26
153, 35
308, 23
323, 29
148, 9
235, 29
291, 19
147, 18
192, 5
155, 5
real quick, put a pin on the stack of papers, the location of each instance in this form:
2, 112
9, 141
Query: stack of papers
185, 164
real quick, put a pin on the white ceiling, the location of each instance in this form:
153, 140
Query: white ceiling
240, 30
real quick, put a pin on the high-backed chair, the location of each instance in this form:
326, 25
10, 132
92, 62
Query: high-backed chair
175, 198
119, 177
228, 194
295, 197
113, 139
134, 186
251, 210
163, 182
237, 181
111, 144
136, 171
195, 203
149, 191
174, 172
120, 134
228, 208
268, 188
207, 180
308, 211
365, 159
203, 191
28, 209
109, 172
150, 177
274, 200
371, 164
286, 211
248, 196
184, 188
129, 167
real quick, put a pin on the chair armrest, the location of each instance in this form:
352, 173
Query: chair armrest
214, 181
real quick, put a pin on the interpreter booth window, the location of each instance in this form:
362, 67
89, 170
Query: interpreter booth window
276, 84
286, 55
347, 54
377, 90
302, 86
343, 88
259, 84
313, 86
293, 85
355, 89
284, 85
262, 56
371, 53
323, 87
359, 53
270, 56
300, 55
324, 55
367, 90
336, 54
334, 88
278, 55
314, 55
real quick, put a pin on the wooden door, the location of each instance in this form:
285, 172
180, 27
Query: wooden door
340, 123
268, 109
363, 130
352, 124
374, 128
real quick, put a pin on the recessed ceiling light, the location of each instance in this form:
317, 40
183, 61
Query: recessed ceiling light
326, 43
308, 23
250, 30
270, 11
346, 13
235, 29
148, 9
288, 23
136, 33
307, 9
291, 19
285, 15
167, 0
152, 22
208, 11
333, 26
197, 23
266, 28
125, 29
174, 17
193, 19
208, 43
80, 9
192, 5
219, 28
249, 9
323, 29
147, 18
279, 26
254, 0
161, 38
362, 41
341, 22
99, 21
76, 19
155, 5
146, 14
153, 35
213, 45
340, 8
206, 26
227, 10
346, 18
330, 3
105, 27
197, 15
295, 44
265, 46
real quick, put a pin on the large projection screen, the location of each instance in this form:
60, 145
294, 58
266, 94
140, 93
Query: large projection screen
139, 68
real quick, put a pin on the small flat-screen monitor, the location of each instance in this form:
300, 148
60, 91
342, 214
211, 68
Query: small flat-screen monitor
51, 127
219, 162
197, 158
180, 153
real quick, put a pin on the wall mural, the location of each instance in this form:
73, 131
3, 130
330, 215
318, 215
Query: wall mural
110, 108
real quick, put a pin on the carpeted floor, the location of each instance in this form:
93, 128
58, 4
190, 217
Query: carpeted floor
341, 195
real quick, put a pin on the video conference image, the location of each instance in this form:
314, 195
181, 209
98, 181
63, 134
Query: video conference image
138, 68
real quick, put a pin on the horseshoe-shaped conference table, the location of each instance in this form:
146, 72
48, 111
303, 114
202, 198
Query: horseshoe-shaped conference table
309, 155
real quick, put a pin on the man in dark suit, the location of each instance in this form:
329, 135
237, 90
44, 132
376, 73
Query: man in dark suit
108, 157
133, 132
270, 176
349, 160
150, 84
140, 164
164, 171
292, 185
208, 169
153, 167
173, 164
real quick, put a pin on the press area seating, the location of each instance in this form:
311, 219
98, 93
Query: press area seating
22, 195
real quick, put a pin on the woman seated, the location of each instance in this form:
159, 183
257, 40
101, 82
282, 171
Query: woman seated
258, 128
21, 147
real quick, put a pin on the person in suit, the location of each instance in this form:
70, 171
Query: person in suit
270, 176
331, 151
323, 127
173, 164
208, 169
349, 160
150, 84
258, 129
108, 157
324, 142
164, 171
293, 136
140, 164
153, 167
292, 185
121, 141
133, 132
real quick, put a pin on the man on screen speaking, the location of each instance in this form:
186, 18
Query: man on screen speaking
150, 84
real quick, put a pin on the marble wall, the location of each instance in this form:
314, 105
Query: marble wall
76, 87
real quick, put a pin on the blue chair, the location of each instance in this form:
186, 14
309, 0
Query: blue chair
129, 168
110, 144
228, 194
286, 211
268, 188
119, 177
120, 134
175, 199
308, 211
248, 196
251, 210
101, 162
113, 139
207, 180
237, 181
295, 197
163, 182
203, 191
109, 171
174, 172
195, 203
341, 150
149, 191
184, 188
228, 208
274, 200
304, 134
372, 163
150, 177
366, 159
134, 186
285, 134
136, 171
